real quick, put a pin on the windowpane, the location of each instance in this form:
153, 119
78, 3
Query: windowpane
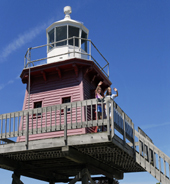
73, 31
51, 38
66, 100
61, 34
84, 42
37, 105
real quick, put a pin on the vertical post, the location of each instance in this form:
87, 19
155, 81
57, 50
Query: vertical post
32, 112
36, 121
55, 117
144, 151
149, 157
29, 80
74, 44
46, 119
60, 117
65, 125
164, 167
159, 165
97, 112
5, 125
24, 62
140, 148
22, 121
85, 179
108, 71
159, 159
71, 115
81, 114
76, 114
124, 128
41, 119
86, 114
16, 178
10, 125
1, 126
133, 128
90, 49
108, 118
18, 124
91, 113
50, 119
154, 159
112, 119
14, 125
27, 131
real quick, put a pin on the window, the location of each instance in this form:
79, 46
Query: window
84, 42
66, 100
51, 39
37, 105
73, 31
61, 34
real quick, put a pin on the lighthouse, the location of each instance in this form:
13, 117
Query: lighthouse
68, 74
53, 138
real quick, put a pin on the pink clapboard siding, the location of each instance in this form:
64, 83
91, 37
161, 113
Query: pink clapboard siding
89, 89
51, 92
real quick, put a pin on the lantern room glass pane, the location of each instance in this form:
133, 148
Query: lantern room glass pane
51, 38
84, 42
61, 34
73, 31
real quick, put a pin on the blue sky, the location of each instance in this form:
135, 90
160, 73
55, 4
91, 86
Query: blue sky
133, 35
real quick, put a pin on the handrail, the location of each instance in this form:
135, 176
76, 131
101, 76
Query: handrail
28, 61
80, 114
149, 157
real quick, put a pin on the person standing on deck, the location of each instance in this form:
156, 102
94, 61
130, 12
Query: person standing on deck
112, 96
98, 95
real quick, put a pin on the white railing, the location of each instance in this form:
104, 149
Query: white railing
32, 57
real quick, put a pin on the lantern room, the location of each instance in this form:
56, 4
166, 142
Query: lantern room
66, 39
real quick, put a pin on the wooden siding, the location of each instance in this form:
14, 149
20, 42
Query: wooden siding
51, 92
89, 89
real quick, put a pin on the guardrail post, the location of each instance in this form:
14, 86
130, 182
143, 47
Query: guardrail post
65, 125
112, 119
124, 128
133, 128
90, 49
108, 117
74, 44
27, 131
108, 71
24, 62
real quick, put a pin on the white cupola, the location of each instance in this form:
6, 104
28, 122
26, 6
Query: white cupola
66, 39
